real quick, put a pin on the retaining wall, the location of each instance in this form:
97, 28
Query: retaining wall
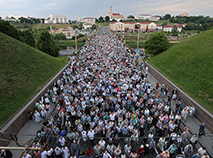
15, 124
202, 114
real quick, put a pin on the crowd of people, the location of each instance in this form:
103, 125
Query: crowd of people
104, 104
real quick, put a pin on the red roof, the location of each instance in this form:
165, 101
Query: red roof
129, 22
158, 25
116, 14
171, 26
144, 22
89, 18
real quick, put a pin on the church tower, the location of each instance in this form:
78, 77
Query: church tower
110, 12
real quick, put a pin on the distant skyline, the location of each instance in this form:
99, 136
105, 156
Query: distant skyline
96, 8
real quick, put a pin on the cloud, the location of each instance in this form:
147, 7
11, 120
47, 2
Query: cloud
96, 8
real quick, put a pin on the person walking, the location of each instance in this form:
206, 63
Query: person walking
201, 130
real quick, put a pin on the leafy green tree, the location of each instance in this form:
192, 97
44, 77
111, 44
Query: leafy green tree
46, 43
101, 19
9, 30
75, 27
80, 35
174, 31
59, 36
96, 20
131, 16
157, 43
94, 27
113, 20
27, 37
107, 19
167, 16
80, 26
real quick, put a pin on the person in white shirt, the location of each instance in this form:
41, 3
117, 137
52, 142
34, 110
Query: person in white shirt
106, 155
66, 152
102, 144
202, 151
58, 151
62, 141
91, 135
26, 155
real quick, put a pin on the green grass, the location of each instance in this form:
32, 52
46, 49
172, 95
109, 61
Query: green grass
161, 22
23, 72
189, 65
68, 42
103, 24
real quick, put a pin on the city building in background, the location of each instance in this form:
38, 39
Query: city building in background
56, 19
133, 26
148, 17
184, 14
116, 16
68, 32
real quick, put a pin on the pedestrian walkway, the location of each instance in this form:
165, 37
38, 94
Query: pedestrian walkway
207, 140
107, 80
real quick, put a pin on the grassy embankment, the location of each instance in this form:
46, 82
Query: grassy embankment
68, 42
189, 65
23, 72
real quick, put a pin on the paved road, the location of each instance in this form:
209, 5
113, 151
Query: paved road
31, 128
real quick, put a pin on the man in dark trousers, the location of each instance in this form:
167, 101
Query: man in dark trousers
6, 154
201, 130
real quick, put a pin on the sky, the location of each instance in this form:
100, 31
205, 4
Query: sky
97, 8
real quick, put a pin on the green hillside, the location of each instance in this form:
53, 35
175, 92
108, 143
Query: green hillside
189, 65
23, 72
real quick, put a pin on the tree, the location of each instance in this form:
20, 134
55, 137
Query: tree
75, 27
94, 27
59, 36
27, 37
174, 31
157, 43
167, 16
46, 43
107, 19
131, 17
101, 19
113, 20
9, 30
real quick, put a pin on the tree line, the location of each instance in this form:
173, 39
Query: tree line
44, 41
193, 22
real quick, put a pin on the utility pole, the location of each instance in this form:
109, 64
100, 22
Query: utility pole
138, 37
76, 46
89, 35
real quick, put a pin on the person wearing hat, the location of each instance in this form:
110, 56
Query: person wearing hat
141, 151
6, 153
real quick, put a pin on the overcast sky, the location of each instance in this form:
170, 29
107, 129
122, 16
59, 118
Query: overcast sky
96, 8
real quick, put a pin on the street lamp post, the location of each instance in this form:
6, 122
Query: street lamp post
76, 46
138, 37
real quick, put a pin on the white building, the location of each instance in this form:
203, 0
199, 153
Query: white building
88, 20
168, 28
159, 27
148, 17
56, 19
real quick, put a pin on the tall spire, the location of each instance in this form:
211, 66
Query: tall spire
110, 10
